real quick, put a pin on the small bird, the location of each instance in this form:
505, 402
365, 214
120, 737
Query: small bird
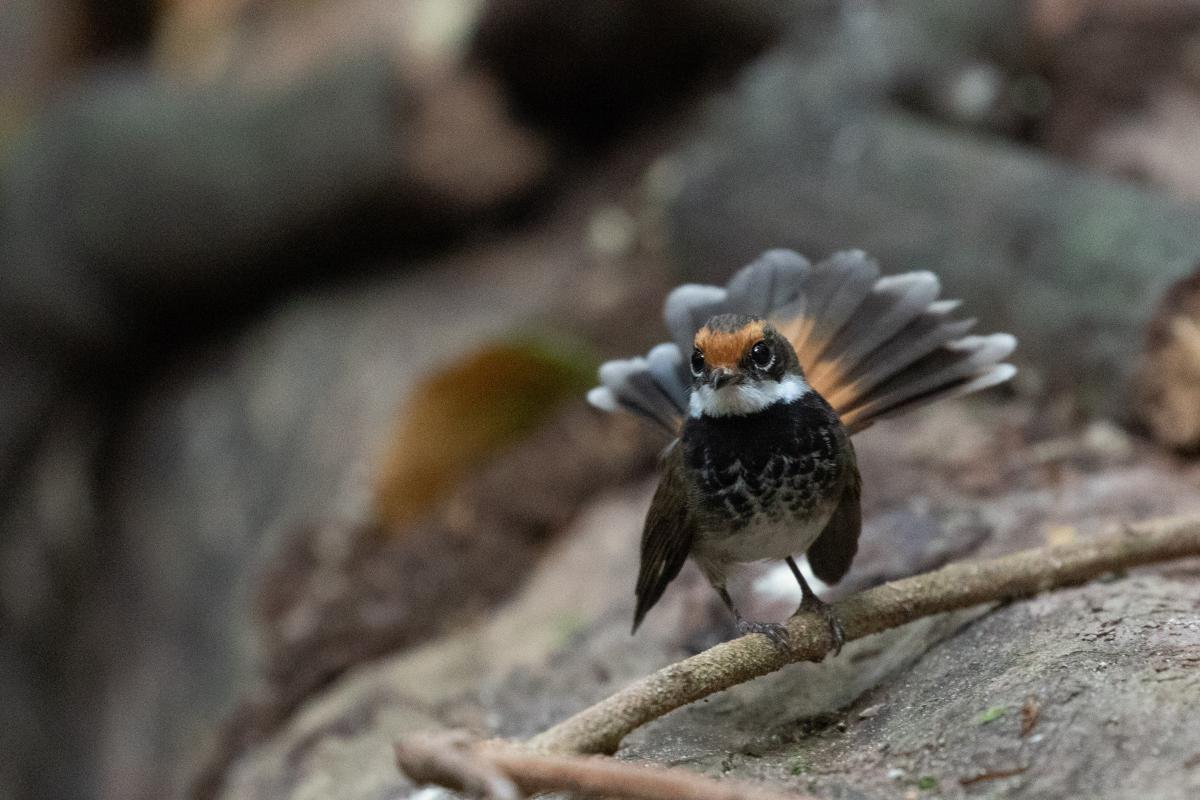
782, 366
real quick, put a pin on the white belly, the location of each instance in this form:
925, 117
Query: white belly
763, 539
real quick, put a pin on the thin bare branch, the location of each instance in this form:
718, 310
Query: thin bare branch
505, 771
600, 728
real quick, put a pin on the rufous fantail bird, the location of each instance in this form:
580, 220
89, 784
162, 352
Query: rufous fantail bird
763, 385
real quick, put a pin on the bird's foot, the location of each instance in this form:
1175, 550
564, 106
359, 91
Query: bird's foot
815, 605
772, 630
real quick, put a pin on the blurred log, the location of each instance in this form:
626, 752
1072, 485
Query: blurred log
1167, 389
136, 213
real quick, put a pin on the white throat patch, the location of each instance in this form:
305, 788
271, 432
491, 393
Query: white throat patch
743, 399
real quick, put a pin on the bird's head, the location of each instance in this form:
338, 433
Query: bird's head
741, 365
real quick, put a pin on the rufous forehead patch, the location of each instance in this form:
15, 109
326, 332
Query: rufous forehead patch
726, 348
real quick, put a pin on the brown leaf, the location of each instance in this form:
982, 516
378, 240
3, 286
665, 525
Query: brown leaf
1029, 716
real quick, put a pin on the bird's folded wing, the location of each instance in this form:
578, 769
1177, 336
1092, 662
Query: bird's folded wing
667, 537
830, 555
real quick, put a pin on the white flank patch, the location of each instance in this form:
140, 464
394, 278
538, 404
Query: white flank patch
778, 583
742, 399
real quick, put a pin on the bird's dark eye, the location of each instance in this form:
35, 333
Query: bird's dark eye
697, 362
760, 354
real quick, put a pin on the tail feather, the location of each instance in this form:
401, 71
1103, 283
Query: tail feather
777, 278
872, 346
994, 376
834, 290
893, 304
973, 361
655, 386
922, 336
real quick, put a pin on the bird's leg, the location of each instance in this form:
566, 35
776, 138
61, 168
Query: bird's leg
772, 630
815, 605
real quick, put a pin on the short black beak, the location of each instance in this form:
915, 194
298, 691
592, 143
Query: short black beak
721, 376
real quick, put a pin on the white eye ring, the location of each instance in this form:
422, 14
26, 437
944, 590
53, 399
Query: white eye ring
757, 351
697, 363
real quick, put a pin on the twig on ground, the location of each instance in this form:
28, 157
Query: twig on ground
994, 775
505, 771
600, 728
452, 759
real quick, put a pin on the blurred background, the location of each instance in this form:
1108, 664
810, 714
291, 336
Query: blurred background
299, 300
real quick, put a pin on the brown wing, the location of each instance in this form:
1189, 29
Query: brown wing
667, 537
830, 555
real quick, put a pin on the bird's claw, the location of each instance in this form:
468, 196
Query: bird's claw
814, 605
774, 631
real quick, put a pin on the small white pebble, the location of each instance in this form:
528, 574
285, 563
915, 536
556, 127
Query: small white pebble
870, 711
433, 793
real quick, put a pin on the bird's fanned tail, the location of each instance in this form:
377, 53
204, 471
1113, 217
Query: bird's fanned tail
871, 346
